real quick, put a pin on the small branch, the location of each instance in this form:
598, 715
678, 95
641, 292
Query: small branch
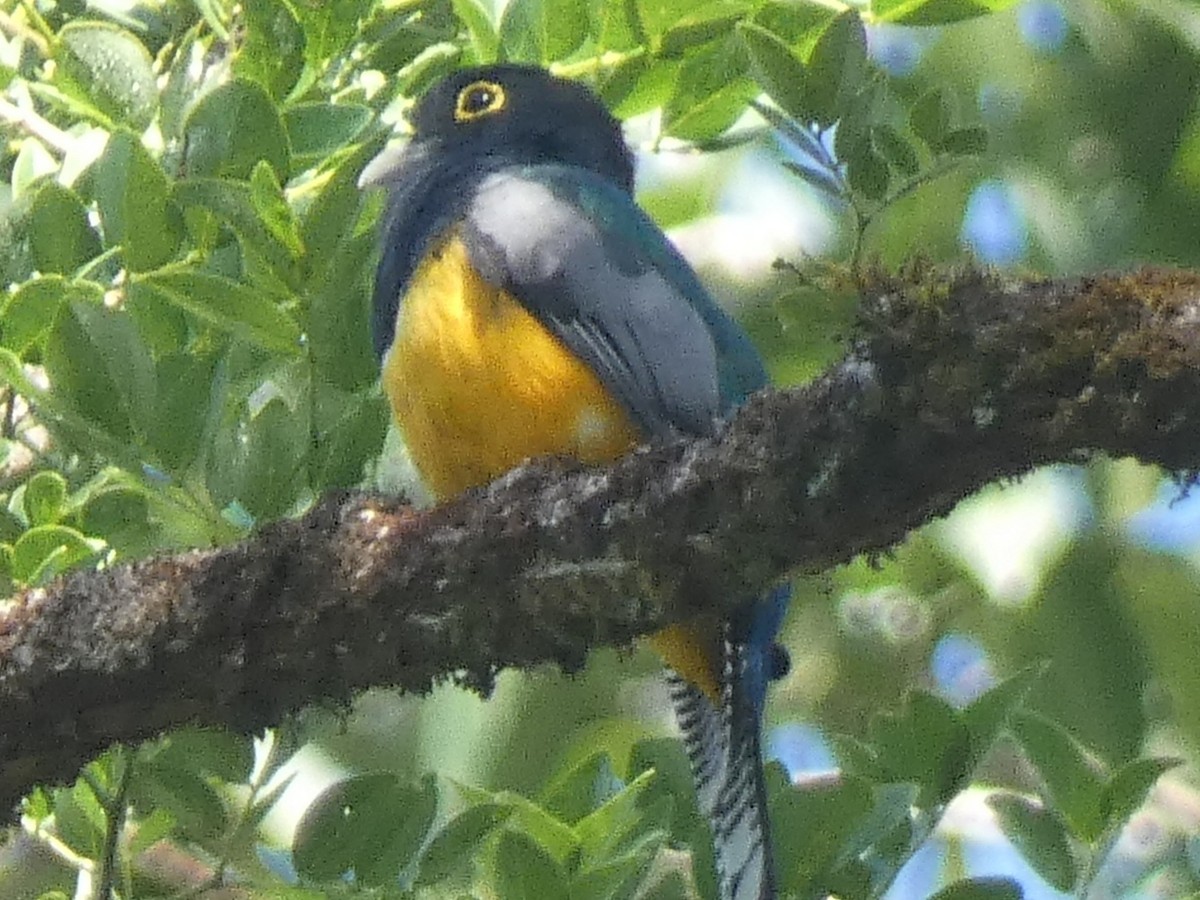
30, 122
114, 816
14, 28
951, 383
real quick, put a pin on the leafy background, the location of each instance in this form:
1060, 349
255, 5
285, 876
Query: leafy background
184, 354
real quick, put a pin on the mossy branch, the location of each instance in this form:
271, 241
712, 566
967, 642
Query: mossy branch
951, 382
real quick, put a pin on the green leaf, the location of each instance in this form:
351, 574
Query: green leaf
60, 236
542, 30
184, 83
577, 791
550, 833
1040, 836
121, 518
711, 92
672, 886
454, 847
271, 52
799, 25
151, 829
639, 85
484, 40
612, 826
657, 16
7, 582
619, 28
190, 799
132, 194
266, 232
165, 328
339, 328
48, 550
32, 308
228, 306
704, 24
925, 743
111, 69
329, 27
964, 141
259, 464
176, 431
213, 13
1126, 791
777, 69
317, 130
930, 118
525, 869
987, 716
350, 442
335, 212
618, 874
868, 173
837, 67
371, 824
894, 148
43, 498
230, 129
1074, 780
12, 525
806, 854
410, 823
273, 210
890, 814
79, 819
33, 162
673, 782
217, 752
936, 12
98, 365
403, 40
982, 889
72, 428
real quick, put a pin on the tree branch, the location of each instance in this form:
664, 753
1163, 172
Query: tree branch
950, 383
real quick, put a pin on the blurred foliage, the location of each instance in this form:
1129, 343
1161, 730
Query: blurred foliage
184, 353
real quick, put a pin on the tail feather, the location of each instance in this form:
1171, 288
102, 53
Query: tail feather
724, 749
705, 740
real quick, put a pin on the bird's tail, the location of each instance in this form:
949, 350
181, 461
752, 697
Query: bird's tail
722, 741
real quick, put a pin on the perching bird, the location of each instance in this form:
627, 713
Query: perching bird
525, 306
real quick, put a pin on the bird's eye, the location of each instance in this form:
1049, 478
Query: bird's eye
479, 98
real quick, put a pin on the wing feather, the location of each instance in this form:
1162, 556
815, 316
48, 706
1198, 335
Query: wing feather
600, 275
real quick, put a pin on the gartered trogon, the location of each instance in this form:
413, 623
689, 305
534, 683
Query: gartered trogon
525, 306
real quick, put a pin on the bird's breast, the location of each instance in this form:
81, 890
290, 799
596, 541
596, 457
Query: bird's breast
478, 385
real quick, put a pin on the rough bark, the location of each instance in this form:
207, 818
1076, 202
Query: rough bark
950, 382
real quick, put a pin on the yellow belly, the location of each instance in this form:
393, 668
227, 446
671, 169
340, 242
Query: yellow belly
478, 385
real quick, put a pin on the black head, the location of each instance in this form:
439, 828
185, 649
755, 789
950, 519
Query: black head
522, 114
467, 125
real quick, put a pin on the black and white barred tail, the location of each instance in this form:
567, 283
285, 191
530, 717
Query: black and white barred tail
723, 747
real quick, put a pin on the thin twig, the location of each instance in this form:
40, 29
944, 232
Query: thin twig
114, 814
30, 122
14, 28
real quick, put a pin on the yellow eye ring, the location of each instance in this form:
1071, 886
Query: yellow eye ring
478, 99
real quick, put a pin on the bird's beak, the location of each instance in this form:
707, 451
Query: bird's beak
398, 162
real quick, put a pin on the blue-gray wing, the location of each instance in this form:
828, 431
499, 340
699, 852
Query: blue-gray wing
580, 256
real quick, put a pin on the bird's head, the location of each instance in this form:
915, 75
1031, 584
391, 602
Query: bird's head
507, 114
